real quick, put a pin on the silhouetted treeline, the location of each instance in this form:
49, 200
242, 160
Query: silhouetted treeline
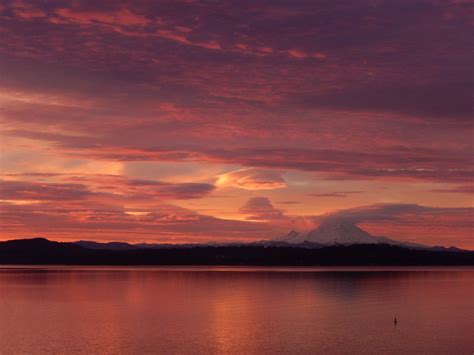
42, 251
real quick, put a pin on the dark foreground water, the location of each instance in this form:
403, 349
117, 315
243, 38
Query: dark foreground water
67, 310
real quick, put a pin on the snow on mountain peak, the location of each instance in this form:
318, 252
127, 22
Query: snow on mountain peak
334, 231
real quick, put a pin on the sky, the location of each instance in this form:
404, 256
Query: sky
197, 121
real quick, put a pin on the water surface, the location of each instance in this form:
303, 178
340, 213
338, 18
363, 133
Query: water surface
68, 310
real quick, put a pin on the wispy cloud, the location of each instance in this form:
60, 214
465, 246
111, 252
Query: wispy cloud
260, 208
252, 179
335, 194
283, 99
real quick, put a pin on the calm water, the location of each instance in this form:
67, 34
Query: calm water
236, 310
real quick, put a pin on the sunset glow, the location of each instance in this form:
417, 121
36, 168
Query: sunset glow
193, 122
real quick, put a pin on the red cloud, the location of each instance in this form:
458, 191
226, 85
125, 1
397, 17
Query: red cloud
252, 179
260, 208
267, 87
165, 223
101, 186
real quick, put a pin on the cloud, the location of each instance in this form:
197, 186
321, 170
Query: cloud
442, 100
408, 214
335, 194
163, 223
388, 164
187, 85
260, 208
119, 17
101, 187
252, 179
280, 88
31, 191
462, 189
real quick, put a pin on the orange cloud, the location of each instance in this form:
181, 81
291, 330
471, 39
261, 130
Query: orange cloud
121, 17
303, 105
252, 179
261, 209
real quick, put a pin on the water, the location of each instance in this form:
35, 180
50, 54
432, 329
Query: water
68, 310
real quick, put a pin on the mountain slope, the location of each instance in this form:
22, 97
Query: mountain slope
340, 232
334, 232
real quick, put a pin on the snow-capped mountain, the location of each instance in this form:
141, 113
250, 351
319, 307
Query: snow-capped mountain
334, 231
340, 232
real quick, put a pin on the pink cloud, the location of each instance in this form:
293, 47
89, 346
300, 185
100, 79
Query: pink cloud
121, 17
271, 88
334, 194
260, 208
100, 186
296, 53
163, 224
252, 179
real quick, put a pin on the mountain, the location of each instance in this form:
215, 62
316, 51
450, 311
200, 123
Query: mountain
106, 246
293, 237
341, 232
127, 246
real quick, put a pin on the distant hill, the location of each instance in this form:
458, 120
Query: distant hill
43, 251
